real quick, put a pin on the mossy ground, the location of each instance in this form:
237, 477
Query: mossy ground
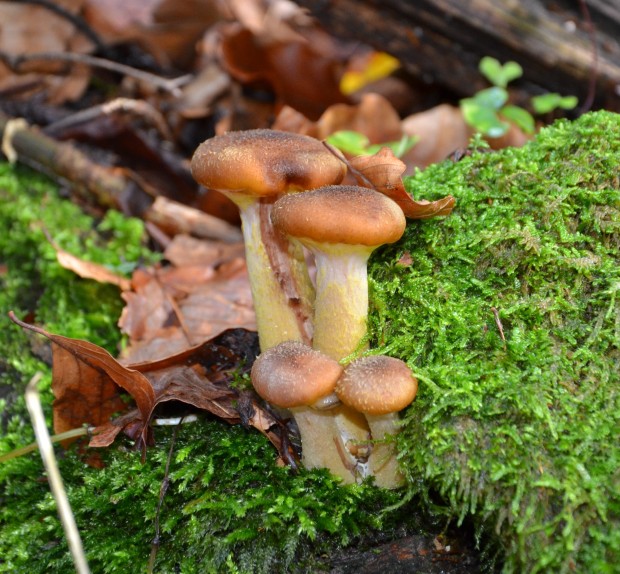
524, 434
229, 507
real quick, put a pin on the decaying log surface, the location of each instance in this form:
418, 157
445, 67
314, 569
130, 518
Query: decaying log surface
442, 41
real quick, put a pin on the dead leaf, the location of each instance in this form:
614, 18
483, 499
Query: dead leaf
176, 307
299, 75
36, 29
90, 270
383, 172
83, 374
374, 117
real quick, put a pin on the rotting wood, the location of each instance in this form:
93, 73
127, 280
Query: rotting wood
442, 41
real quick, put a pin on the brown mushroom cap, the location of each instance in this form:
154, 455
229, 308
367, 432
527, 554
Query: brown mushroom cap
293, 374
340, 214
377, 385
265, 162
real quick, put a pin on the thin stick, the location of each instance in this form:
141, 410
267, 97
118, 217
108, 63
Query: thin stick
499, 325
162, 492
55, 479
172, 85
21, 451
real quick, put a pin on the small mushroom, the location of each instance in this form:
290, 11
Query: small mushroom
253, 168
341, 226
379, 387
294, 376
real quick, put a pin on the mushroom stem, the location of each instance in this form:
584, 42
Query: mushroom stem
382, 461
341, 304
279, 316
321, 443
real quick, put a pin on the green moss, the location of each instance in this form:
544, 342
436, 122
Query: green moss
523, 434
228, 508
34, 284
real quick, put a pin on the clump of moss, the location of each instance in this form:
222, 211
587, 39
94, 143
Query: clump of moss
228, 508
510, 314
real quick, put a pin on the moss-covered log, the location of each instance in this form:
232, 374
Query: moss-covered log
509, 312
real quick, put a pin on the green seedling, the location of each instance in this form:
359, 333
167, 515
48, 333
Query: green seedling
355, 143
489, 112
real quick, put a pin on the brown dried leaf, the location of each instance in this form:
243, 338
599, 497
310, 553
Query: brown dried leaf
86, 380
383, 172
83, 375
90, 270
174, 308
300, 75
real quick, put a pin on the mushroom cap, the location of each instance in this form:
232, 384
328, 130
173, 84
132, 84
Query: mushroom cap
345, 214
293, 374
377, 385
264, 162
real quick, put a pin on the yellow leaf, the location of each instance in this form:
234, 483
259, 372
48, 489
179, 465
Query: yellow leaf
378, 66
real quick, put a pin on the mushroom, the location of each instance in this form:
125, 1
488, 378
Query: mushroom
294, 376
253, 168
379, 387
341, 226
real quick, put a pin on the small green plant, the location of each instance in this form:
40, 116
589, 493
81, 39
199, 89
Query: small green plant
488, 111
355, 143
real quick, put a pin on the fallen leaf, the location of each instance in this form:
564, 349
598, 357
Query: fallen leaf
90, 270
383, 172
83, 375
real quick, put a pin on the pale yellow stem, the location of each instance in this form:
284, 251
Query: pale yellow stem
276, 319
341, 304
382, 462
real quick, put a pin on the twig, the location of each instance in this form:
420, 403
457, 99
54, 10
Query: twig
73, 433
172, 85
162, 493
356, 173
54, 477
500, 327
107, 186
137, 108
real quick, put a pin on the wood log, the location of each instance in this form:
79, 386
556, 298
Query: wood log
442, 41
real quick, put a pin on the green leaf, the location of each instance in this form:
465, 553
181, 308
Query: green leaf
349, 141
400, 147
546, 103
483, 118
497, 74
522, 118
493, 98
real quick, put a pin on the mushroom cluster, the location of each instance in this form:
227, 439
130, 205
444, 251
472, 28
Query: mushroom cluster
287, 189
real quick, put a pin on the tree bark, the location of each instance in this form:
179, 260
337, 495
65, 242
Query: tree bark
442, 41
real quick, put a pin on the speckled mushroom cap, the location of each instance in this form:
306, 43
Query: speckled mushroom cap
340, 214
377, 385
293, 374
265, 162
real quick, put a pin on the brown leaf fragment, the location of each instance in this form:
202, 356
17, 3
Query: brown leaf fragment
383, 172
90, 270
105, 434
184, 384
